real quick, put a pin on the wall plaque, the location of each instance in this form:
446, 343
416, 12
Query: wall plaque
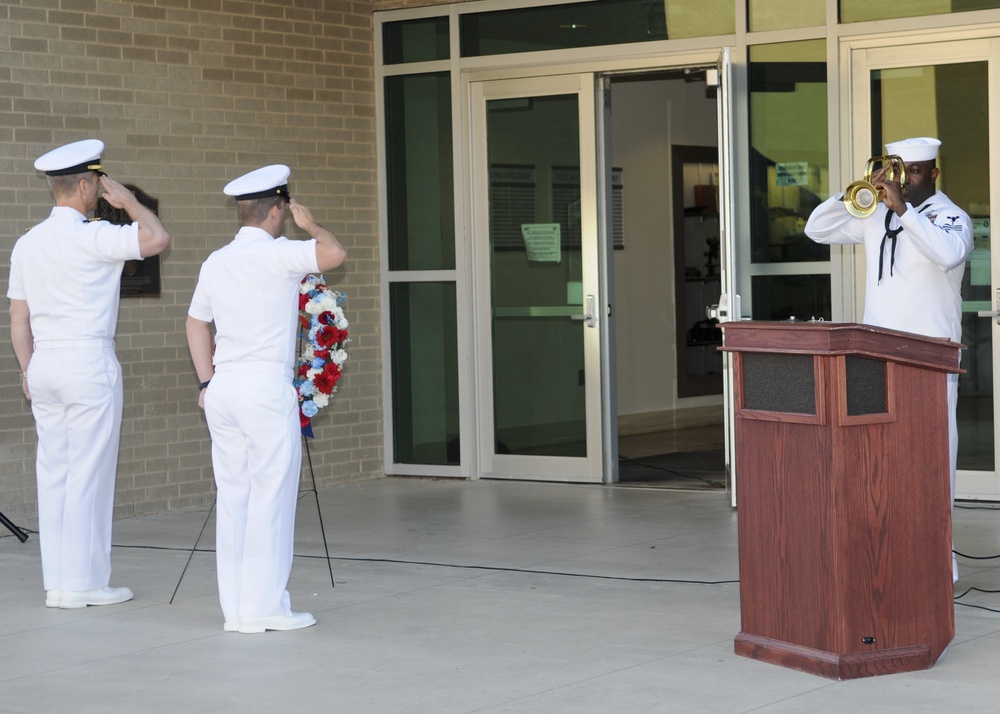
140, 278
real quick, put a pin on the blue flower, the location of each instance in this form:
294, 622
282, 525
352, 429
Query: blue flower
316, 306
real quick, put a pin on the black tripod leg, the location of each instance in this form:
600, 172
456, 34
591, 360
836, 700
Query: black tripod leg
193, 549
21, 535
319, 512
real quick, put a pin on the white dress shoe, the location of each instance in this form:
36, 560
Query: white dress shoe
73, 599
52, 598
231, 625
291, 621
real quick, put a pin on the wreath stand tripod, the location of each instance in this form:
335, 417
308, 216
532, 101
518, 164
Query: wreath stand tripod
194, 548
22, 536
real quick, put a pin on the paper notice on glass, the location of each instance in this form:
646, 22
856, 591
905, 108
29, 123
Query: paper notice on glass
542, 241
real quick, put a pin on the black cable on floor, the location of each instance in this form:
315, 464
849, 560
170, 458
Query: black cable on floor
977, 607
675, 581
975, 557
984, 507
464, 567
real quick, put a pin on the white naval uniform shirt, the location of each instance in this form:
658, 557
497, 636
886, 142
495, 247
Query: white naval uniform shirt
68, 270
250, 289
922, 291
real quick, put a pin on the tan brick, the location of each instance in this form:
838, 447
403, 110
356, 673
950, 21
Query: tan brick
186, 94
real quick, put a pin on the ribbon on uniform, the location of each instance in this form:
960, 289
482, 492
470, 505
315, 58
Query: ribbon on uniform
891, 234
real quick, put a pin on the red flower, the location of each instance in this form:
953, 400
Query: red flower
327, 337
320, 341
326, 380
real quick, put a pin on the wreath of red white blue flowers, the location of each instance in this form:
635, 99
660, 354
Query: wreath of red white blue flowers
324, 336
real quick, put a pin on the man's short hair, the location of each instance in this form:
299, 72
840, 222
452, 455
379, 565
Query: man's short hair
65, 185
253, 211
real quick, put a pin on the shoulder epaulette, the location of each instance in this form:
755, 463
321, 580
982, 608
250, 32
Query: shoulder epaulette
95, 218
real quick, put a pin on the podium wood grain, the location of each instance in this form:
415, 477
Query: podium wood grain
845, 520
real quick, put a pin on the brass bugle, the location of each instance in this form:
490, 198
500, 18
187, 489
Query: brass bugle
861, 197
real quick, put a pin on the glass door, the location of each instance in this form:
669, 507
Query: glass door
538, 312
942, 90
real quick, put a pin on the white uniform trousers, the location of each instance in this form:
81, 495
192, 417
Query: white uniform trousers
252, 413
76, 398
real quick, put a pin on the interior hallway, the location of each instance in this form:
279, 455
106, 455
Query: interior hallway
447, 599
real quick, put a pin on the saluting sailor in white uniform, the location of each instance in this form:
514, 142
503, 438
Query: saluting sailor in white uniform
250, 290
64, 286
916, 244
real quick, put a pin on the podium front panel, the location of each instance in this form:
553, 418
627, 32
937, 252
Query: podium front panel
866, 389
779, 383
779, 387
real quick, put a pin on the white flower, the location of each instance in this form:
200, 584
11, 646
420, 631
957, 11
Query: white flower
319, 300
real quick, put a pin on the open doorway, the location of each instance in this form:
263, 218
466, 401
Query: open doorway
664, 154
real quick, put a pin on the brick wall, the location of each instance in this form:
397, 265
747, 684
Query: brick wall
188, 94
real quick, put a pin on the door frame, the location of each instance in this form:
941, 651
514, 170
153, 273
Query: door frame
588, 469
858, 57
603, 466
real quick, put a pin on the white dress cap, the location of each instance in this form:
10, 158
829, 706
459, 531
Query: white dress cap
75, 158
921, 149
260, 183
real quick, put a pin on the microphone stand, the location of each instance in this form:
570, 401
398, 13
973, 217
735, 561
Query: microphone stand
21, 535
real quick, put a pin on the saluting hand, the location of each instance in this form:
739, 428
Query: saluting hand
304, 218
329, 252
116, 194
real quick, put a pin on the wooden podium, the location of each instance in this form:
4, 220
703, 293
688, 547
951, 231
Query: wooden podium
843, 496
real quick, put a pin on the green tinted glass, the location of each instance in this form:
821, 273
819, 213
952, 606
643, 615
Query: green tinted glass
537, 276
789, 168
785, 14
421, 40
419, 176
590, 24
424, 350
951, 102
862, 10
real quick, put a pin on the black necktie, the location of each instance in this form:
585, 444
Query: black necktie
891, 234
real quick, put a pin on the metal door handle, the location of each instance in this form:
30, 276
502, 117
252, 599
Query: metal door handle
589, 317
993, 313
727, 310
